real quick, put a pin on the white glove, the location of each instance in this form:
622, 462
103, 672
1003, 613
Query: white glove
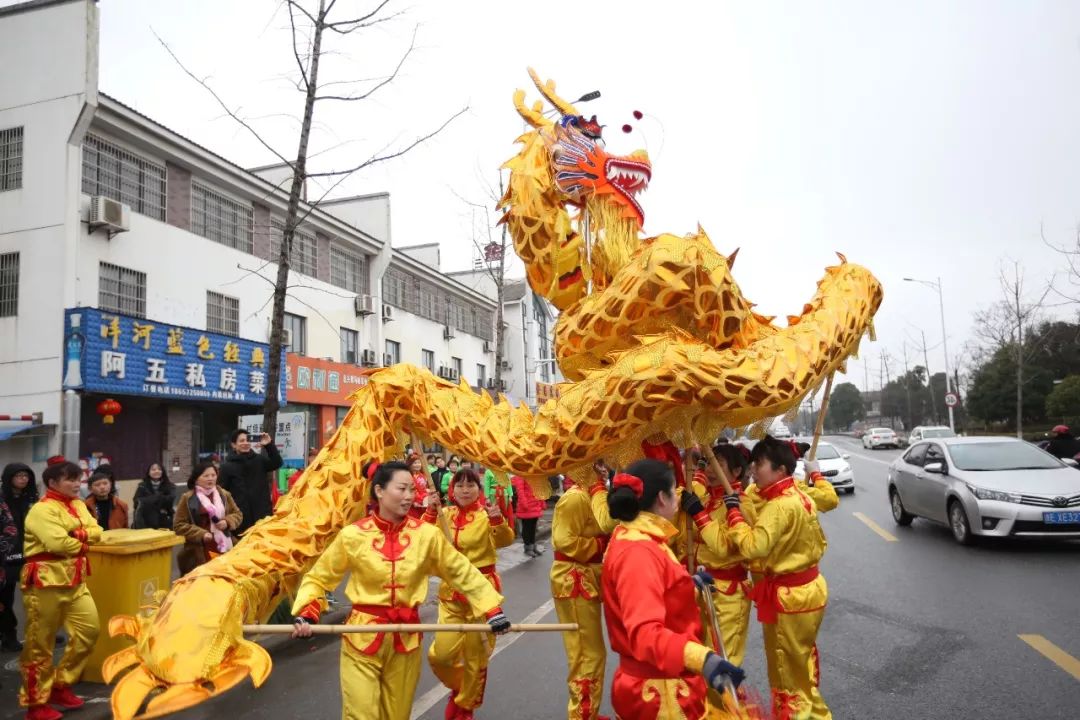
811, 467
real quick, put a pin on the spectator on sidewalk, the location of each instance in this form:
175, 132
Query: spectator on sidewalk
244, 476
154, 500
206, 517
110, 511
447, 476
19, 491
1062, 443
280, 490
529, 510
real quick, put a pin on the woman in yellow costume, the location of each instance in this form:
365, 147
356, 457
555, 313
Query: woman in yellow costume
578, 542
717, 553
460, 660
791, 594
58, 531
390, 557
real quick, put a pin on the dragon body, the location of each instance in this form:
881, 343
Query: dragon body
654, 336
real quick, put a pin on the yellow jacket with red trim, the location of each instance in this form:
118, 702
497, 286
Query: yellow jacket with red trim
578, 542
58, 532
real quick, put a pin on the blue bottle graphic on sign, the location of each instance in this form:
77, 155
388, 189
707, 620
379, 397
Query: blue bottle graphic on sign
73, 353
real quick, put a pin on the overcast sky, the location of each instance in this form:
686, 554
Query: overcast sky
918, 138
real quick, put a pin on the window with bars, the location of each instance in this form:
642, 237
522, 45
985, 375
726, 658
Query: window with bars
122, 290
9, 284
393, 352
297, 327
481, 375
221, 219
348, 270
11, 158
303, 258
222, 314
121, 175
456, 364
428, 359
350, 341
426, 299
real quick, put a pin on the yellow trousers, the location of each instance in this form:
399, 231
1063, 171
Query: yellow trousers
379, 686
47, 610
460, 660
586, 654
733, 613
791, 653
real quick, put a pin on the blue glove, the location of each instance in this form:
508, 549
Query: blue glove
704, 581
717, 672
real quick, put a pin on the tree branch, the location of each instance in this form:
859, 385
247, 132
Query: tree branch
226, 108
376, 159
344, 27
382, 83
296, 54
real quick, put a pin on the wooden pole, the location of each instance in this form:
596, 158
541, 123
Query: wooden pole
407, 628
821, 417
433, 492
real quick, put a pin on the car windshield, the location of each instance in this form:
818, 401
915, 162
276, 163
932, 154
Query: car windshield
990, 456
827, 452
938, 433
881, 431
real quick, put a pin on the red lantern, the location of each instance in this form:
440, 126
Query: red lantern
108, 409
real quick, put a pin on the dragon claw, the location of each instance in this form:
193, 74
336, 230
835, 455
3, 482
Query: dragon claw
123, 625
130, 692
118, 662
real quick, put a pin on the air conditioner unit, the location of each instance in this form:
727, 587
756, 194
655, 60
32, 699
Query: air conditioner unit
387, 359
448, 333
109, 214
453, 374
506, 365
387, 312
286, 333
364, 305
367, 357
487, 346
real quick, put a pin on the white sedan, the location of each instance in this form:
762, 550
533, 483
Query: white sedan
834, 466
875, 438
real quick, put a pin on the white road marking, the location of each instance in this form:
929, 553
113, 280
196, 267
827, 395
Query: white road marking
436, 694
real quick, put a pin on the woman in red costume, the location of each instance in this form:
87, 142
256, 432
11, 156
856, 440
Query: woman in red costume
652, 617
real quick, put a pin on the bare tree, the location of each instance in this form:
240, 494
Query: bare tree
1007, 323
1065, 285
309, 32
492, 262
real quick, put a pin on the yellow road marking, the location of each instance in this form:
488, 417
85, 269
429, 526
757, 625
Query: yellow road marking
885, 535
1052, 652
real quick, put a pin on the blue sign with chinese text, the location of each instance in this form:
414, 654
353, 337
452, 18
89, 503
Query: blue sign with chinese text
116, 354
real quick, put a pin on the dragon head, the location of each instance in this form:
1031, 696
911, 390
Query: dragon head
581, 168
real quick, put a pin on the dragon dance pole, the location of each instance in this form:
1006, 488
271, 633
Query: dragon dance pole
821, 417
704, 595
408, 628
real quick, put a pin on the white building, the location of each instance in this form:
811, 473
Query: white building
104, 209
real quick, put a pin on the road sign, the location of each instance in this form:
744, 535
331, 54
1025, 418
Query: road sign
951, 400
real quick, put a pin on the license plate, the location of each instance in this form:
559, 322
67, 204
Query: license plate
1061, 518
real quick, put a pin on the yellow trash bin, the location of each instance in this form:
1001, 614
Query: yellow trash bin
126, 569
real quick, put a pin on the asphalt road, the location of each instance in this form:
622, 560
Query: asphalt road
917, 627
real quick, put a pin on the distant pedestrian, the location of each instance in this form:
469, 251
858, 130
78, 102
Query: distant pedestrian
443, 482
206, 517
529, 510
1062, 443
416, 467
8, 534
244, 475
18, 490
280, 490
110, 511
154, 500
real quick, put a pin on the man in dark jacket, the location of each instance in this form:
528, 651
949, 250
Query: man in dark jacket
1063, 444
244, 475
18, 490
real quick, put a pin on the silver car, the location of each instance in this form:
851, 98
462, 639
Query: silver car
990, 486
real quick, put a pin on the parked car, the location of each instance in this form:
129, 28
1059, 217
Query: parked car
834, 466
990, 486
926, 432
880, 437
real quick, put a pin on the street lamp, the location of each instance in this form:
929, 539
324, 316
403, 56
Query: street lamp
944, 342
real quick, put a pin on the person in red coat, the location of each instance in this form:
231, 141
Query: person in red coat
529, 510
652, 617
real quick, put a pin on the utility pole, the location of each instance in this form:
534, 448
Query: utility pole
929, 385
907, 388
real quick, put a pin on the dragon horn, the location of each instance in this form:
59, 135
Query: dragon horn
533, 115
548, 91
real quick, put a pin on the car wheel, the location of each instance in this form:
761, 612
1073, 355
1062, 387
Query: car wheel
958, 523
851, 491
899, 514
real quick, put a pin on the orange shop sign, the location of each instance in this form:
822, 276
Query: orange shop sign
312, 381
544, 391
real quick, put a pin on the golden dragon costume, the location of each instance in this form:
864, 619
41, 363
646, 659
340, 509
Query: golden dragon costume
654, 335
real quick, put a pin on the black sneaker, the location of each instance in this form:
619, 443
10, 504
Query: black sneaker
11, 644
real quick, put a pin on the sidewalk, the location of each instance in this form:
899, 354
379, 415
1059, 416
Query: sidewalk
97, 696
